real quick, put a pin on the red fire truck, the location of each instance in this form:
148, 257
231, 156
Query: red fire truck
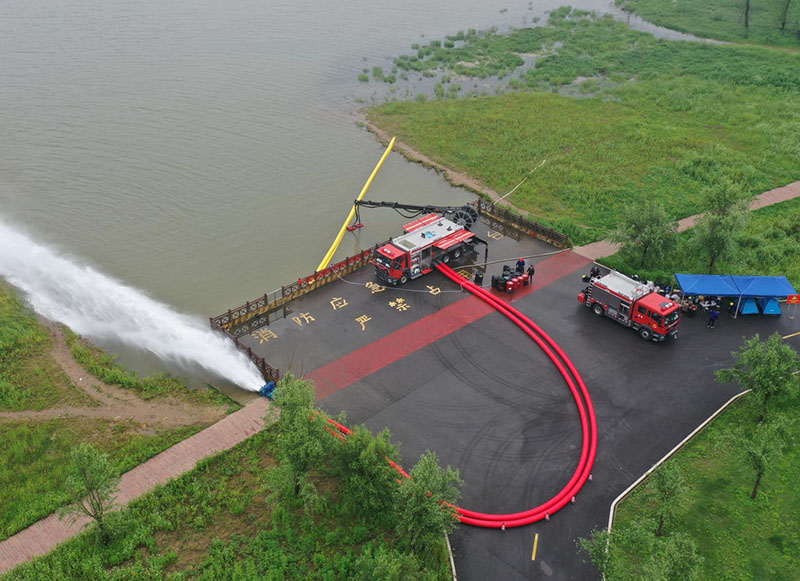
428, 240
632, 303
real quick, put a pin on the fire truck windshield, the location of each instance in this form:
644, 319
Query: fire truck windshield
671, 318
382, 260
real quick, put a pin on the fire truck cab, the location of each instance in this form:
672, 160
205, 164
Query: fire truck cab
634, 304
426, 241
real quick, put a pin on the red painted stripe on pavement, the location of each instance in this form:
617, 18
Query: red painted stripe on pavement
367, 360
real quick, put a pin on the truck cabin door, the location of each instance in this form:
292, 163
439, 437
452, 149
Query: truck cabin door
398, 266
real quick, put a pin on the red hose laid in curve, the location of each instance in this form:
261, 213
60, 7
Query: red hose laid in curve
589, 429
589, 449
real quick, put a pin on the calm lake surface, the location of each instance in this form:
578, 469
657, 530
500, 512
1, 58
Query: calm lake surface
207, 151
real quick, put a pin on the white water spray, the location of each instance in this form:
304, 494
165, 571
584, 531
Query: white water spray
99, 307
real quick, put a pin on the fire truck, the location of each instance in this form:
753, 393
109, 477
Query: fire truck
632, 303
426, 241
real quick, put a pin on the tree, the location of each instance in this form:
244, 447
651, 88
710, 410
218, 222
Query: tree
303, 440
765, 367
368, 482
670, 489
633, 551
784, 14
94, 480
424, 502
647, 233
763, 448
727, 212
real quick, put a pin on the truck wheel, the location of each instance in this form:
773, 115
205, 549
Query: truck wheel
403, 279
457, 253
645, 333
598, 310
446, 258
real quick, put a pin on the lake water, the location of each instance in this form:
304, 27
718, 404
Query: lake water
208, 151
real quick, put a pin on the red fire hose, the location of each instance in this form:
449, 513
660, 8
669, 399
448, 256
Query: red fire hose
579, 393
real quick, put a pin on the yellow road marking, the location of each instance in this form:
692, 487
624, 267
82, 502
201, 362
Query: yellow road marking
535, 545
792, 335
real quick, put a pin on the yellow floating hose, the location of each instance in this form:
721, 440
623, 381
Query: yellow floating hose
325, 261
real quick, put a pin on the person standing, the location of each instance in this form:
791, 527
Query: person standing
531, 272
521, 265
712, 317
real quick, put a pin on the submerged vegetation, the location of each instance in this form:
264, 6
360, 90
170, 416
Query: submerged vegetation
658, 120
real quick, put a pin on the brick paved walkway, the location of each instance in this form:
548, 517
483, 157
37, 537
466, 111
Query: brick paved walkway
43, 536
603, 248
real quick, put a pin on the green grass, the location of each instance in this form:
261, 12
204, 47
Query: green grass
769, 245
662, 120
723, 19
104, 367
215, 522
33, 460
29, 377
739, 538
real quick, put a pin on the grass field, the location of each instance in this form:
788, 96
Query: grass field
644, 118
724, 19
34, 451
33, 460
29, 378
739, 538
217, 522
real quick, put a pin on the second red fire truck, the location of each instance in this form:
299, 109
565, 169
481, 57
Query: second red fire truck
632, 303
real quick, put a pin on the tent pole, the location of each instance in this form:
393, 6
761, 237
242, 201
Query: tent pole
738, 306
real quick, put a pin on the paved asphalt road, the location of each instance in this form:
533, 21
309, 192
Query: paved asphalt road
447, 374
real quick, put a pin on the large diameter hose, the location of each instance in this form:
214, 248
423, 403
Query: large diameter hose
588, 426
589, 449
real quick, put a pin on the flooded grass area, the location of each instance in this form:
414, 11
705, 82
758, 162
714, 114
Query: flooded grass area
771, 22
664, 120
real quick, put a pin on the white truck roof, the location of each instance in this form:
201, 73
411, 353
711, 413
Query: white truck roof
624, 285
426, 234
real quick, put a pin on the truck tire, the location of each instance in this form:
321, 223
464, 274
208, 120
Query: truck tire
446, 258
457, 253
598, 310
403, 279
645, 333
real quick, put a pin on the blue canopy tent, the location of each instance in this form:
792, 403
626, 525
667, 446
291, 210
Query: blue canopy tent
746, 288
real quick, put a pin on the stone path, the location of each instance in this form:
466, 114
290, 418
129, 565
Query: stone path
603, 248
43, 536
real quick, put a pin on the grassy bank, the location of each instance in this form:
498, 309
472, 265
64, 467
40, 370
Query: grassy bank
34, 450
33, 460
739, 538
633, 118
772, 22
29, 377
221, 521
769, 245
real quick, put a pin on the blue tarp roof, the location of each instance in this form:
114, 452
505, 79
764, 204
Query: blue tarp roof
730, 285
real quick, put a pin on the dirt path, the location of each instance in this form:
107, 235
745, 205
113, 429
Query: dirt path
115, 403
593, 251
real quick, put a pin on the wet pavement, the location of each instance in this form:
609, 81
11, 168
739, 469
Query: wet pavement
444, 372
